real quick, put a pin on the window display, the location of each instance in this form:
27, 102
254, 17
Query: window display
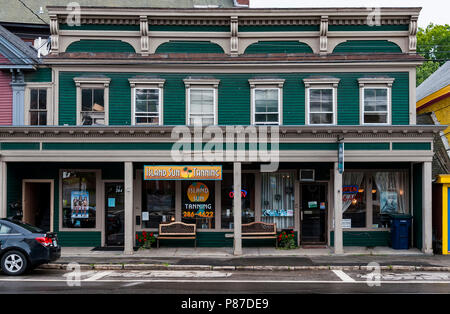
158, 202
354, 200
247, 199
78, 199
198, 203
277, 202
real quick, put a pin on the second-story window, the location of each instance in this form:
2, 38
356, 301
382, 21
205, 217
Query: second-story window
38, 106
375, 100
201, 106
147, 106
92, 107
267, 106
266, 100
147, 100
201, 100
321, 100
375, 105
92, 100
321, 106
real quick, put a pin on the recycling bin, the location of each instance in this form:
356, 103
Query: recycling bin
400, 231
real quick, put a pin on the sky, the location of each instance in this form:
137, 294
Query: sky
436, 11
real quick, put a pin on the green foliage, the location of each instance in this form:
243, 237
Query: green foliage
424, 71
433, 43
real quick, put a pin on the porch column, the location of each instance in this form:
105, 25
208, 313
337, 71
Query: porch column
338, 238
129, 230
427, 242
237, 210
3, 202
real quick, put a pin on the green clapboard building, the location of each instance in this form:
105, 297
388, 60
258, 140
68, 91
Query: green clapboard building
125, 88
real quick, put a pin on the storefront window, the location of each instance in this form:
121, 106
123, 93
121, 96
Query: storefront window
198, 203
277, 199
354, 205
158, 203
247, 199
78, 199
388, 196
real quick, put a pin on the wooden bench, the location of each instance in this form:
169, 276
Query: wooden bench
260, 230
177, 230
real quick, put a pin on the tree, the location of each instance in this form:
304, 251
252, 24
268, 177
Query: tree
433, 43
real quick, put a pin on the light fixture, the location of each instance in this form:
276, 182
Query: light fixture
374, 191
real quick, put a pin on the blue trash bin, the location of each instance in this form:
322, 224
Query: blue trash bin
400, 231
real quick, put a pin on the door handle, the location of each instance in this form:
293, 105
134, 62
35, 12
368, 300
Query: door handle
301, 215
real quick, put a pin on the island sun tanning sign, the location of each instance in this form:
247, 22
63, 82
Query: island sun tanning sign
182, 172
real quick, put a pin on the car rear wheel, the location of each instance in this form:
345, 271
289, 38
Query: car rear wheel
14, 263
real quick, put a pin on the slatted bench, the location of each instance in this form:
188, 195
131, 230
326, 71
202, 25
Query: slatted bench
176, 231
260, 230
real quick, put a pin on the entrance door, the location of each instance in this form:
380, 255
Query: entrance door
115, 215
313, 213
36, 204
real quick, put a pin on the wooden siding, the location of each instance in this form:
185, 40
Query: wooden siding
234, 98
364, 238
6, 97
41, 75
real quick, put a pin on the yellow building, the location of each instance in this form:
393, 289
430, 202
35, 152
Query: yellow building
433, 96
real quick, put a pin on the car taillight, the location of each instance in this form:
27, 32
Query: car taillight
44, 241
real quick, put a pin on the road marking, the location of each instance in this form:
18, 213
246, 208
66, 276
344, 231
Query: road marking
343, 276
170, 274
98, 276
231, 281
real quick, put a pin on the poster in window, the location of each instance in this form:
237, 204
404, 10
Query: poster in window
80, 204
389, 202
199, 202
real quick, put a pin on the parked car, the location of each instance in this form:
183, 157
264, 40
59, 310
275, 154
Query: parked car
23, 247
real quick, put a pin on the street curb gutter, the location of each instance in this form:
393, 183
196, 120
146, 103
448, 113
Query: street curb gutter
238, 268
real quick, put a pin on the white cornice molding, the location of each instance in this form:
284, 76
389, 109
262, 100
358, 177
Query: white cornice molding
92, 80
266, 81
375, 80
201, 81
321, 81
146, 81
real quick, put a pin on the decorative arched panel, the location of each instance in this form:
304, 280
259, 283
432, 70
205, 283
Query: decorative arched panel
95, 45
278, 47
189, 47
367, 46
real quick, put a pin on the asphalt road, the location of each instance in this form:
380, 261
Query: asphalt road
223, 282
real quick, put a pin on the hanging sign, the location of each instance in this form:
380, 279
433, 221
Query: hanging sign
182, 172
341, 158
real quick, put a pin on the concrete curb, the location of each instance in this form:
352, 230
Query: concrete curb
239, 268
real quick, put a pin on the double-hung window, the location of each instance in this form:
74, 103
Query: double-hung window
321, 100
92, 106
375, 100
321, 106
38, 106
147, 100
201, 101
92, 100
266, 99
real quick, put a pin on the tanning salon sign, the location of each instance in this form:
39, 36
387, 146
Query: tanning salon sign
182, 172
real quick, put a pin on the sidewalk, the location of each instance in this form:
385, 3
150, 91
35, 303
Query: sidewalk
251, 259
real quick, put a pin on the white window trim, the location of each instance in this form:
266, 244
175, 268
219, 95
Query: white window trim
263, 84
92, 83
147, 84
27, 100
202, 84
375, 83
320, 83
